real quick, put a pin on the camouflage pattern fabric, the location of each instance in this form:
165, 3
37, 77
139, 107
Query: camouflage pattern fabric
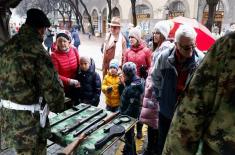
207, 110
27, 73
88, 145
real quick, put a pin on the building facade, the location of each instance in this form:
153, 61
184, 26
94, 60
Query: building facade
151, 11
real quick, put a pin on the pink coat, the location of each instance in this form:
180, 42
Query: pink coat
150, 108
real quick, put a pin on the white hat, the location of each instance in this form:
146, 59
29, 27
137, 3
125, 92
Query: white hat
115, 22
136, 33
163, 27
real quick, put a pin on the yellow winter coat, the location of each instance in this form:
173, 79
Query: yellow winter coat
111, 99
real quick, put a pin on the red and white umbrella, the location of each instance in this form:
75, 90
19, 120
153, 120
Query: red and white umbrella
204, 38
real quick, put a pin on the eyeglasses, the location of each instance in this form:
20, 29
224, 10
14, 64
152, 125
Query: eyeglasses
131, 37
187, 48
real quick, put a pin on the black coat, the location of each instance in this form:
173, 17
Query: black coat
90, 89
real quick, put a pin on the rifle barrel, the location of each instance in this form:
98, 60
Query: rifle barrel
72, 146
75, 113
67, 130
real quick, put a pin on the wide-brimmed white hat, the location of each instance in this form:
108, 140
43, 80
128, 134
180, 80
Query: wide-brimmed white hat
115, 22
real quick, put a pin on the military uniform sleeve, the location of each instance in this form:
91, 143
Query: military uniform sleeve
49, 84
191, 117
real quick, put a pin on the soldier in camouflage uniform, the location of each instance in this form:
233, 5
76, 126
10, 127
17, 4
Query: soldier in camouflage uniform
26, 74
207, 110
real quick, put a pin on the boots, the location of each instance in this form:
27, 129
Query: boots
139, 130
152, 142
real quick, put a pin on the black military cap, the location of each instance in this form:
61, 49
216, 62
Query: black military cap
37, 18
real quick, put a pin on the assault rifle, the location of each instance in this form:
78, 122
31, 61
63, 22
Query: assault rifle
72, 146
80, 122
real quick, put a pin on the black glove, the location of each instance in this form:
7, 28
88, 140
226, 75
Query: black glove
109, 89
143, 72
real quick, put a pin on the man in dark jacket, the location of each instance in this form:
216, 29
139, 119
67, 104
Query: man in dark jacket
49, 39
75, 37
27, 75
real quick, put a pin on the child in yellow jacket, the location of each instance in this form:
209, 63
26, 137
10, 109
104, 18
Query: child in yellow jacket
110, 87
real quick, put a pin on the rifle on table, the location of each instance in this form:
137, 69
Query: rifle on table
72, 146
68, 129
91, 124
75, 113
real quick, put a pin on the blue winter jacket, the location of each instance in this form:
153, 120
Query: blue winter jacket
165, 76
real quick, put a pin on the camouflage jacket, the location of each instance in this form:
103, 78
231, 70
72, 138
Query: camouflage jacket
207, 110
26, 73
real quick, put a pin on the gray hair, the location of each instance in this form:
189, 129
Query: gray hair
186, 31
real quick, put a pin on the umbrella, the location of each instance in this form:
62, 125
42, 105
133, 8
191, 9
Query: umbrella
204, 38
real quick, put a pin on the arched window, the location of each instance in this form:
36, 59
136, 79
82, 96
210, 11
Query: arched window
176, 8
94, 15
142, 9
115, 12
143, 18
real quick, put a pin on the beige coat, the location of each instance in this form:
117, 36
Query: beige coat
109, 52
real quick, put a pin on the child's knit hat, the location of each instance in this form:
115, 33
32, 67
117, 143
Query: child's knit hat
129, 69
136, 33
114, 63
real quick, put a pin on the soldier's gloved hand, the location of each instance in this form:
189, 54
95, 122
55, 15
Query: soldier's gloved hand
75, 83
109, 89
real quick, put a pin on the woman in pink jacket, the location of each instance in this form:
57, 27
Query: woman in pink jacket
150, 108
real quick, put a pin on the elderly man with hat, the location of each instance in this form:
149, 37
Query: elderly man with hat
28, 83
114, 45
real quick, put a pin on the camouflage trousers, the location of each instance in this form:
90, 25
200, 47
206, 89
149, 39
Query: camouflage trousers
40, 149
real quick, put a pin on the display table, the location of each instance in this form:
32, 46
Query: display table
65, 125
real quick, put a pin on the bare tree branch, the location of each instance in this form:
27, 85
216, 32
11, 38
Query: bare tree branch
89, 17
211, 14
74, 4
133, 2
110, 10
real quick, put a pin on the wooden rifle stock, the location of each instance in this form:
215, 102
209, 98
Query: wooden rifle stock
72, 146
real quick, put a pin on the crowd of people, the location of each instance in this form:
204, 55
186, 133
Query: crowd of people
183, 98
